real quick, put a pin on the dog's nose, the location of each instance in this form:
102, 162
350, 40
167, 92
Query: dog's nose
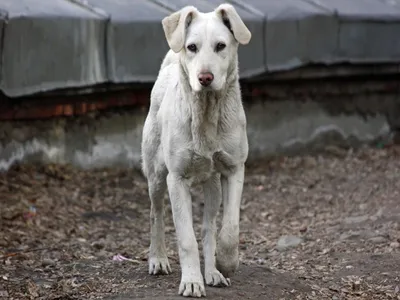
206, 78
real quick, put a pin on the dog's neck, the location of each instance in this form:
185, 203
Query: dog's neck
205, 109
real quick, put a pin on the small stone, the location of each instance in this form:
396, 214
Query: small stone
350, 236
8, 261
261, 261
395, 244
377, 240
48, 262
363, 206
273, 253
3, 294
288, 241
356, 285
326, 250
355, 220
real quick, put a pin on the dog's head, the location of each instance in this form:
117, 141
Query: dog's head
207, 43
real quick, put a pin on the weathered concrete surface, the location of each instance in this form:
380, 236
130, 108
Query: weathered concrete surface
289, 126
86, 142
56, 44
275, 126
63, 44
134, 48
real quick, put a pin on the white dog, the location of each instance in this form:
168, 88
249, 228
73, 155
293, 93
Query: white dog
195, 132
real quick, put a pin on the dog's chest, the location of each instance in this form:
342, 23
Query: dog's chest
205, 131
204, 141
204, 144
204, 124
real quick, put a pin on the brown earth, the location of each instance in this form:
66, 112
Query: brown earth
339, 210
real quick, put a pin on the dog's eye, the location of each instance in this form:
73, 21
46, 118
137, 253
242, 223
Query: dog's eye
192, 48
220, 47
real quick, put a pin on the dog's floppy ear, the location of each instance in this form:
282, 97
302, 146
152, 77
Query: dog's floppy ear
232, 20
175, 26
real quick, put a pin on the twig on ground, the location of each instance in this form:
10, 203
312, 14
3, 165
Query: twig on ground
11, 254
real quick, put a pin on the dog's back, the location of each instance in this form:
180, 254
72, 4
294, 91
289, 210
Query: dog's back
167, 74
169, 59
151, 141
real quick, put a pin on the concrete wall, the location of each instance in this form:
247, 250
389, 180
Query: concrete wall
287, 118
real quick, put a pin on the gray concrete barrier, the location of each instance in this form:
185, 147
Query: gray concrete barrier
49, 45
61, 44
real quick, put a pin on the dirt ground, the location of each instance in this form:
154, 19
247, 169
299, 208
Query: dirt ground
313, 227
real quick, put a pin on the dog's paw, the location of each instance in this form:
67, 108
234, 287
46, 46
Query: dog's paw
227, 267
159, 265
227, 261
192, 287
215, 278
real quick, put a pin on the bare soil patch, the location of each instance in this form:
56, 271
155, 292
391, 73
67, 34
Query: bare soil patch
313, 227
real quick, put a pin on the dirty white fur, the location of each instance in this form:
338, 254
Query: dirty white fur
196, 134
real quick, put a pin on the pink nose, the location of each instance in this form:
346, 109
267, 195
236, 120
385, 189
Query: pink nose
206, 78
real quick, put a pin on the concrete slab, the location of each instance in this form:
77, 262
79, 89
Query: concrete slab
368, 30
56, 44
362, 10
3, 19
296, 33
136, 42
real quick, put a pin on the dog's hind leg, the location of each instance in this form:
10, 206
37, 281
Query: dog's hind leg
212, 203
158, 260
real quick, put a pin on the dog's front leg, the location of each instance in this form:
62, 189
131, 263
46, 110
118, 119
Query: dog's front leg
192, 284
212, 203
228, 242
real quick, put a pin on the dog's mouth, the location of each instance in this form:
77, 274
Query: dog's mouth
202, 89
207, 88
210, 88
